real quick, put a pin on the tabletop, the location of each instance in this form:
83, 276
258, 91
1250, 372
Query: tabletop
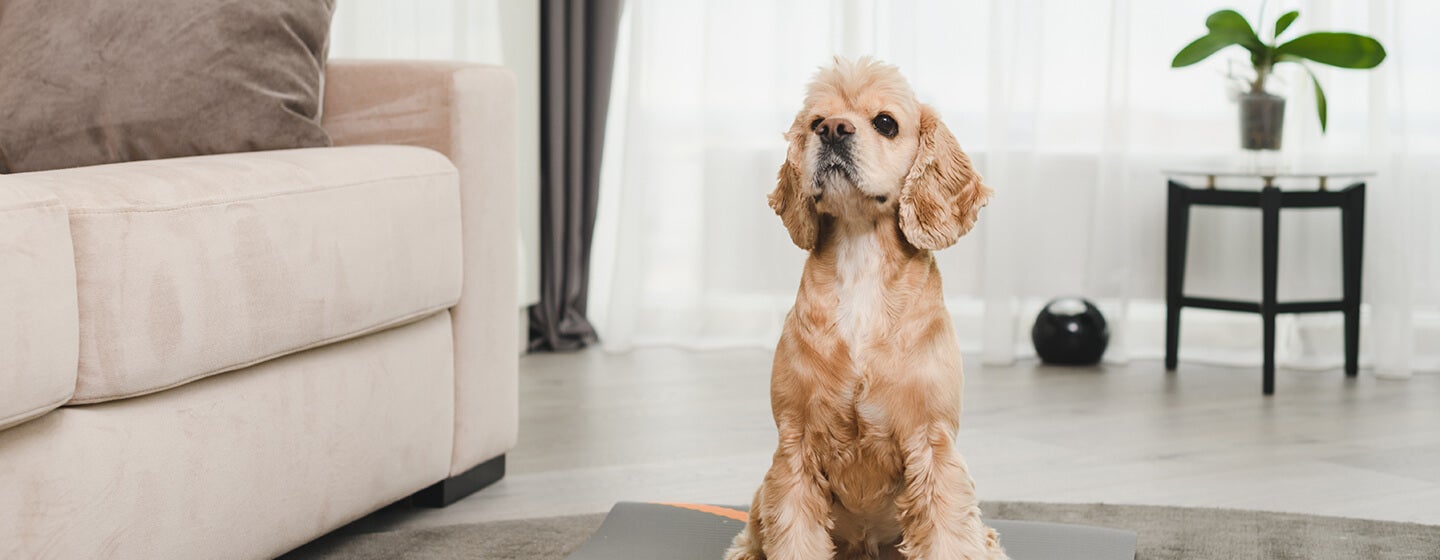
1321, 173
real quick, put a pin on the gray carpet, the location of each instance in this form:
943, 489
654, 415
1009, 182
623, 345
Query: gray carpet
1165, 533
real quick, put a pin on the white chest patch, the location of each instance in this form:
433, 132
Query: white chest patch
861, 290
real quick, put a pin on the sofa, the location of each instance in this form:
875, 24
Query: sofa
227, 356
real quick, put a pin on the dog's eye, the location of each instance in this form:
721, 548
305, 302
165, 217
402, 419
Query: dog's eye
886, 125
815, 123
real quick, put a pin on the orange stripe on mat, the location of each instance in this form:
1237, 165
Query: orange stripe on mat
713, 510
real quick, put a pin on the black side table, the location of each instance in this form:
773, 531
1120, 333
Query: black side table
1270, 199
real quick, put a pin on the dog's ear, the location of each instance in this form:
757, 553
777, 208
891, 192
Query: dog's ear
792, 198
942, 195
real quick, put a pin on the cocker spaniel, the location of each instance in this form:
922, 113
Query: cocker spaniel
866, 383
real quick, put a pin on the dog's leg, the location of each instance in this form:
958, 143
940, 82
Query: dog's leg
746, 545
939, 513
795, 507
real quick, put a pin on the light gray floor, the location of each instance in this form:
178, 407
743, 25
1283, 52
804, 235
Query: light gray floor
672, 425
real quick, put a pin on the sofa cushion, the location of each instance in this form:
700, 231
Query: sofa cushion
245, 465
87, 82
38, 337
191, 267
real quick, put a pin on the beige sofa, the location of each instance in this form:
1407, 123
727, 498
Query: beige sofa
228, 356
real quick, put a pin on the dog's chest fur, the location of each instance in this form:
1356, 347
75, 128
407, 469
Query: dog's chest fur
860, 287
864, 467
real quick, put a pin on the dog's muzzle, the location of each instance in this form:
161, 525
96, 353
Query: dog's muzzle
832, 162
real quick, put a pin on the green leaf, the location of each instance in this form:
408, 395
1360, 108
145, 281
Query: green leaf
1284, 22
1231, 25
1199, 50
1346, 50
1320, 104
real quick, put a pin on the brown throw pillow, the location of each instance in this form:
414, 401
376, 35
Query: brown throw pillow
86, 82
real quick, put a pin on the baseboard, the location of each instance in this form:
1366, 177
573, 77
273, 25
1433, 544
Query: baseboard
452, 489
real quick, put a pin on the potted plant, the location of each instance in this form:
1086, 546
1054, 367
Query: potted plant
1261, 112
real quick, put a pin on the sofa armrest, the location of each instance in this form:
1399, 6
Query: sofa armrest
467, 112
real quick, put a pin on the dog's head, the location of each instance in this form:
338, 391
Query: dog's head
862, 147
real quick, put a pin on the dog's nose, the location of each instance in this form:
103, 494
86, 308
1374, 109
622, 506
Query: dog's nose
835, 129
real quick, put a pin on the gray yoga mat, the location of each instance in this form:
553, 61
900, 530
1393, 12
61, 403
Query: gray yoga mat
643, 531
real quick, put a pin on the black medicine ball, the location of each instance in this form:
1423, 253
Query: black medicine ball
1070, 331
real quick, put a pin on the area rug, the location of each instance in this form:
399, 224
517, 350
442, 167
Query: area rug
1164, 533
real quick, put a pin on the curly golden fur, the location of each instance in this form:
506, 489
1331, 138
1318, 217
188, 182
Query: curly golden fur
867, 376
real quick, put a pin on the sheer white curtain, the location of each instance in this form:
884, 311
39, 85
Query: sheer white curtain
418, 29
1070, 110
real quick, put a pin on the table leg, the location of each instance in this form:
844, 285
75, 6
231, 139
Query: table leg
1270, 257
1352, 218
1177, 229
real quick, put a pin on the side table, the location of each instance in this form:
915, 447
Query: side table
1270, 199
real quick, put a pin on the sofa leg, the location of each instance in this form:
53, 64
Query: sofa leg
452, 489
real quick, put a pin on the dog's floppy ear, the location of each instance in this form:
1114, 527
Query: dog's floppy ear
942, 195
792, 199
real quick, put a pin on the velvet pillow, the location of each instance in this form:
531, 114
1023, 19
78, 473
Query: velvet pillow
86, 82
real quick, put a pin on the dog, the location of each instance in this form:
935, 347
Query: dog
866, 382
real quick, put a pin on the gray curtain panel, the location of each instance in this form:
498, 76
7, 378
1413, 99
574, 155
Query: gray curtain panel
577, 57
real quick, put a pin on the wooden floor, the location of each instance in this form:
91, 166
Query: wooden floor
672, 425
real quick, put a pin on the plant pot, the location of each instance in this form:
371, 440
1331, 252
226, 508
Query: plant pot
1262, 118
